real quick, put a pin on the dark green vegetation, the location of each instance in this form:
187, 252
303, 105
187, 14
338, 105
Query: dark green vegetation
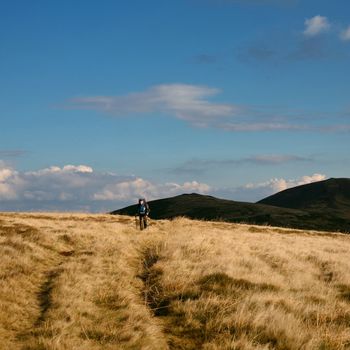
323, 205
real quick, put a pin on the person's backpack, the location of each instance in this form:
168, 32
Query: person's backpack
142, 209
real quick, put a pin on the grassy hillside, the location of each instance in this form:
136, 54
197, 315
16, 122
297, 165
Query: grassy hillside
196, 206
96, 282
331, 194
327, 202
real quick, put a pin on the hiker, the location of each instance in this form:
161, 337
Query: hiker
143, 211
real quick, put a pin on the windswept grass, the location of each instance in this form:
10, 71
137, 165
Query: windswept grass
96, 282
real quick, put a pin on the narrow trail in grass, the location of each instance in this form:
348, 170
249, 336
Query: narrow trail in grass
59, 256
152, 288
171, 324
45, 295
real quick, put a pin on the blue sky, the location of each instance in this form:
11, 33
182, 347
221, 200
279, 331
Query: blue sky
105, 101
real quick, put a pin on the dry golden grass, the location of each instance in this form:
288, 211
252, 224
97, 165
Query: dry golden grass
78, 281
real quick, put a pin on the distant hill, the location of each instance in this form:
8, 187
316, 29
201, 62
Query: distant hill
328, 202
196, 206
323, 205
331, 194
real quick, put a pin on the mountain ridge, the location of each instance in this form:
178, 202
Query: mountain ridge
312, 207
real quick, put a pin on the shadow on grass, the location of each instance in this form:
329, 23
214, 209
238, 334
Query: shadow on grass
221, 283
187, 316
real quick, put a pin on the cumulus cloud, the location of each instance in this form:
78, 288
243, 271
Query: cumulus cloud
316, 25
10, 181
124, 190
184, 101
64, 170
79, 187
141, 188
5, 173
345, 34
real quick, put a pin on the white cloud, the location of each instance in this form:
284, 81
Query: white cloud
184, 101
5, 173
9, 182
64, 170
192, 104
77, 169
7, 192
345, 34
125, 190
316, 25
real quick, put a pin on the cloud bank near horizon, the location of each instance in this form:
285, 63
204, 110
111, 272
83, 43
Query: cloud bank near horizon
80, 188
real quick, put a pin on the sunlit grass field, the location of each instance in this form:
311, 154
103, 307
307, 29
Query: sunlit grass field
80, 281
